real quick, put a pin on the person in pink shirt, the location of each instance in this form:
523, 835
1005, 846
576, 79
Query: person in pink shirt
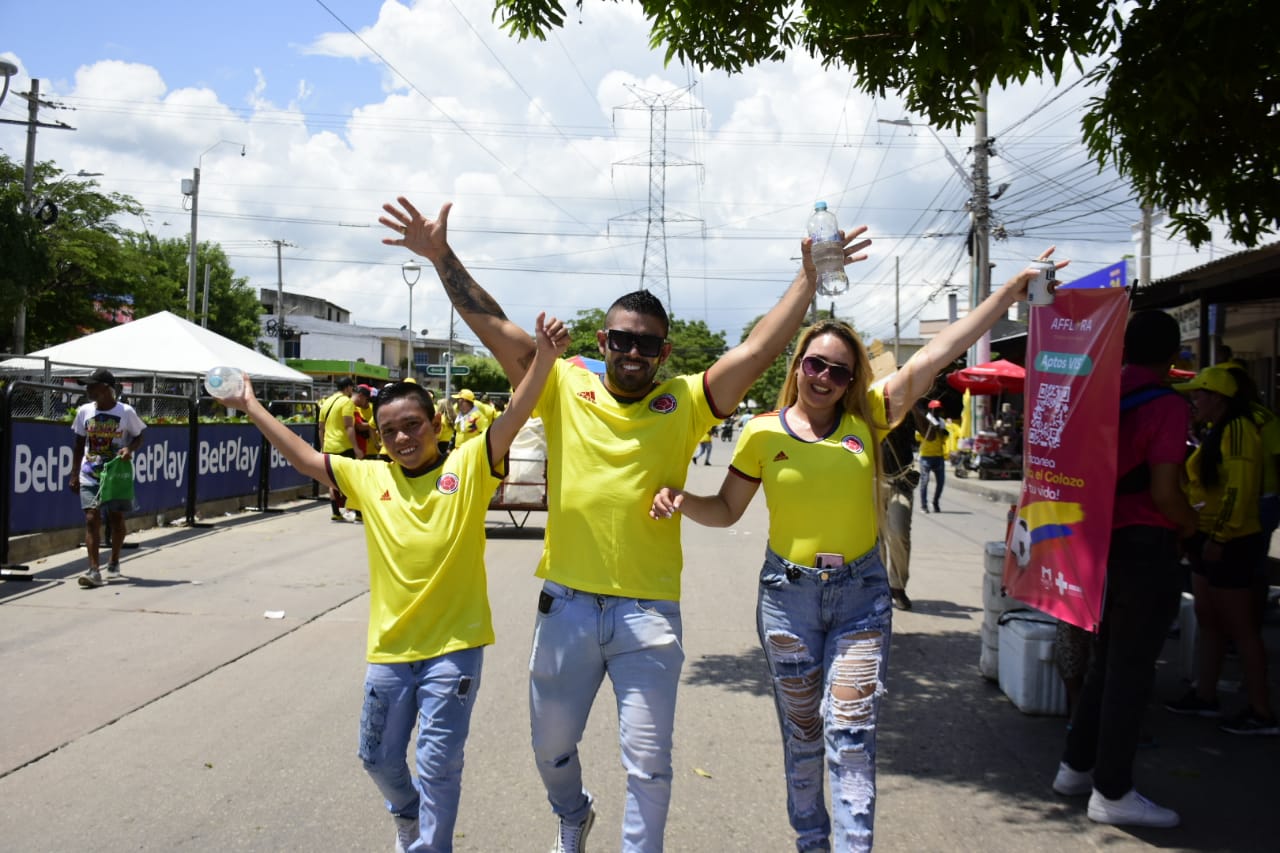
1144, 582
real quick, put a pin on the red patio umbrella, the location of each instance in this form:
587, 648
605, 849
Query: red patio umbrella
994, 377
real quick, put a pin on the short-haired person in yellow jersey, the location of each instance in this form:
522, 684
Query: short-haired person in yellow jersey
610, 602
429, 616
824, 615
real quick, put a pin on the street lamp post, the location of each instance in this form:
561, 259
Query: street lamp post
405, 269
192, 188
448, 364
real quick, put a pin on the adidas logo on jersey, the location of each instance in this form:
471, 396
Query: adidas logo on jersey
781, 457
386, 496
589, 396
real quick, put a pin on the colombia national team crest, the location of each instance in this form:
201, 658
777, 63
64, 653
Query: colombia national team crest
851, 443
448, 483
663, 404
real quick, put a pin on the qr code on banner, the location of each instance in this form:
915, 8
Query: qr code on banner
1049, 415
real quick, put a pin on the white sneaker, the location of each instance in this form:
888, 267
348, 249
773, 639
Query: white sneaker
1132, 809
90, 579
1071, 782
406, 833
113, 571
572, 837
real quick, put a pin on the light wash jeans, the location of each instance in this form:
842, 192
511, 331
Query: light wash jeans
437, 694
825, 634
578, 638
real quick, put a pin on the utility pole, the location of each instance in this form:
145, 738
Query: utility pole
28, 187
191, 261
653, 271
280, 324
1144, 248
980, 211
897, 314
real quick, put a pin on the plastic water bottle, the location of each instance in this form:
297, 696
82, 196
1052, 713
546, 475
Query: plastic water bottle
222, 382
828, 251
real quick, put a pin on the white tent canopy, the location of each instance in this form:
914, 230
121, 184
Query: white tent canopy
161, 344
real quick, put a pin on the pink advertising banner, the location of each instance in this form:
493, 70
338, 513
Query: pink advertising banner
1057, 550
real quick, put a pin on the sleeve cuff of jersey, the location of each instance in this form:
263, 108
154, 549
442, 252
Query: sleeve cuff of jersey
500, 468
747, 477
706, 390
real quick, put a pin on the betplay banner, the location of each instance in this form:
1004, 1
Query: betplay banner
1057, 550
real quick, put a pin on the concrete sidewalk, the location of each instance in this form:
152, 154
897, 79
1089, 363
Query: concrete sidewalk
167, 712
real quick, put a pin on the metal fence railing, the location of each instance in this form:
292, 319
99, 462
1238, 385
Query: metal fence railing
194, 451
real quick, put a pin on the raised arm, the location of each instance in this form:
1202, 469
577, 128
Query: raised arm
917, 375
510, 345
301, 455
735, 371
718, 510
553, 339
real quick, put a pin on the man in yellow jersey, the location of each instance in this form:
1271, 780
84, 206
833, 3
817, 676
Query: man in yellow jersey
471, 420
933, 459
429, 617
333, 434
610, 599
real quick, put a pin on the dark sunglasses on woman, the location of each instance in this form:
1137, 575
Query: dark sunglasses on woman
837, 373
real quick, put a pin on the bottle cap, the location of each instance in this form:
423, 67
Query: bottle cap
821, 205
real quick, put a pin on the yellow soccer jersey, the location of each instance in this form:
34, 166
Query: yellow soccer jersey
425, 536
335, 433
606, 460
1230, 508
821, 494
470, 425
935, 446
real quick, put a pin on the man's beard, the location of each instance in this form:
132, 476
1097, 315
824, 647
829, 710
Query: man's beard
636, 384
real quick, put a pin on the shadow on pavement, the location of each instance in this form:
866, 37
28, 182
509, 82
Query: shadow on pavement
943, 722
745, 671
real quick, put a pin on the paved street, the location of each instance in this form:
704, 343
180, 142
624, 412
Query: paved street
166, 712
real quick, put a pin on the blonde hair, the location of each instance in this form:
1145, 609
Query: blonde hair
854, 401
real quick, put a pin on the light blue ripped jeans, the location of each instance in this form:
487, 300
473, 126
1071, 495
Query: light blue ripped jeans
437, 694
825, 634
581, 636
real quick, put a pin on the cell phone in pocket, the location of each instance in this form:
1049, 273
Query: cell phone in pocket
829, 561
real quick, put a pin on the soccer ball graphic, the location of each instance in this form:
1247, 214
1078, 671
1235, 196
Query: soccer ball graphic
1021, 542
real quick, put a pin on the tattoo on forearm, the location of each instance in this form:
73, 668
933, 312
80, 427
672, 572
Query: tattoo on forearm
464, 293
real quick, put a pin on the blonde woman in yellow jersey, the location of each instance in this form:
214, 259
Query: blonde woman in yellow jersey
429, 617
824, 614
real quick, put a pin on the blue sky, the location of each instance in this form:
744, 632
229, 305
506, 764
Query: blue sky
531, 142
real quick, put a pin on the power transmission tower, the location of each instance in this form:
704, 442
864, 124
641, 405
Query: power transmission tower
653, 272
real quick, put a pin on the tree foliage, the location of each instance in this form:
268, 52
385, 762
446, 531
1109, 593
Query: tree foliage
1191, 95
79, 272
486, 374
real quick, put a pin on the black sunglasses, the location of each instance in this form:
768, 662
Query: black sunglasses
837, 373
649, 346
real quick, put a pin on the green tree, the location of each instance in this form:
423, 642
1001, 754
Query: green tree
64, 260
161, 285
582, 333
486, 374
1189, 112
694, 348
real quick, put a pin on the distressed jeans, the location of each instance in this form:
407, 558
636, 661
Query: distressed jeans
825, 634
579, 637
437, 694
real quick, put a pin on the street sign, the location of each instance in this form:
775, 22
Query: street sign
441, 370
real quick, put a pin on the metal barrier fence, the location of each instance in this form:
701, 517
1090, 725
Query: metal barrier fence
189, 455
